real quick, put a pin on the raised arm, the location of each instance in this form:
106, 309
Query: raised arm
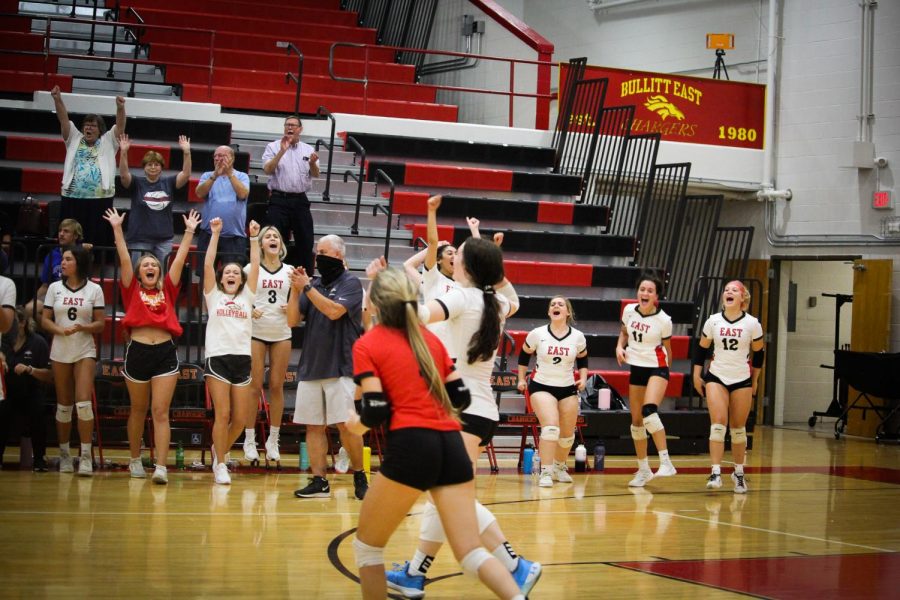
431, 231
253, 276
61, 113
411, 266
126, 272
124, 172
209, 261
191, 222
120, 114
185, 175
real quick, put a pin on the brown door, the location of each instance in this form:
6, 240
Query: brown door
871, 327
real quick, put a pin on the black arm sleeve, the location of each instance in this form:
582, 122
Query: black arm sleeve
759, 359
459, 394
581, 362
375, 409
700, 354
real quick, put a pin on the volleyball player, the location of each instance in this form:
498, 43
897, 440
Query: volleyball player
229, 294
553, 392
151, 358
645, 344
474, 312
424, 449
73, 314
272, 336
730, 383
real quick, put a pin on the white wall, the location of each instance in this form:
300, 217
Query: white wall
808, 387
816, 104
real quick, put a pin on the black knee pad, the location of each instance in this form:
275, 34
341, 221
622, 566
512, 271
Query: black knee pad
648, 409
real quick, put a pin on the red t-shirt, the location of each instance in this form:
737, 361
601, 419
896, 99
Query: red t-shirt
151, 308
384, 352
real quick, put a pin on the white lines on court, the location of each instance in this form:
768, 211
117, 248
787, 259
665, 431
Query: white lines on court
776, 532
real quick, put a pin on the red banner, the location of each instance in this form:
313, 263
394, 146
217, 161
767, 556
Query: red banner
683, 109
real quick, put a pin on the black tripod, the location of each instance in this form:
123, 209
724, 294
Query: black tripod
720, 67
838, 389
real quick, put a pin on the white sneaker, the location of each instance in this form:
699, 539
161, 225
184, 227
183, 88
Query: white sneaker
136, 469
546, 479
666, 469
272, 452
85, 466
222, 476
561, 473
641, 478
251, 454
65, 463
342, 462
714, 482
160, 475
740, 486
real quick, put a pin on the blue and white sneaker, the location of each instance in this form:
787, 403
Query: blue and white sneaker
409, 586
527, 575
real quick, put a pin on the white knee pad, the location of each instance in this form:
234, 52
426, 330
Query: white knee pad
485, 517
738, 435
366, 555
566, 442
638, 433
64, 413
472, 561
550, 433
653, 424
717, 432
431, 529
85, 411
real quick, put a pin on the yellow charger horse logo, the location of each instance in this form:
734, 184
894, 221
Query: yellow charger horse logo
661, 106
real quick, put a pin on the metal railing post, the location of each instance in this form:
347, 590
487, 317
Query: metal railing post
324, 112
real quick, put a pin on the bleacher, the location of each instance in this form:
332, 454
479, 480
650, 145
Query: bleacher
558, 240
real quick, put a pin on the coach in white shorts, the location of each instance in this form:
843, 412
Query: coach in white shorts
331, 306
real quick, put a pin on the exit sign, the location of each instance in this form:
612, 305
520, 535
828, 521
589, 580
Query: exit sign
882, 200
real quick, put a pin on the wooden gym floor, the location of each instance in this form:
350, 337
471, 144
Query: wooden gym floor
820, 521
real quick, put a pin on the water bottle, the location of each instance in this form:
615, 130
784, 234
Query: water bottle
179, 456
599, 456
527, 460
535, 465
603, 399
367, 461
580, 459
304, 457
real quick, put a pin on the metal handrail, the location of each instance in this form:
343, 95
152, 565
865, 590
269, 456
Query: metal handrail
419, 242
510, 93
389, 212
47, 32
351, 141
137, 47
324, 112
298, 78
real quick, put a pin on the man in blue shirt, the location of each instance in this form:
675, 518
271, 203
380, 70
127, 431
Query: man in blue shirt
225, 191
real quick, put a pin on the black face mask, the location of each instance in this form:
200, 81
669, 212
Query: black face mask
329, 268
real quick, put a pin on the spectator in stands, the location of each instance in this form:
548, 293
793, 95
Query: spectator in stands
425, 450
272, 336
229, 298
25, 360
226, 191
474, 312
151, 360
69, 234
290, 165
73, 314
150, 219
645, 344
331, 305
553, 392
89, 177
731, 336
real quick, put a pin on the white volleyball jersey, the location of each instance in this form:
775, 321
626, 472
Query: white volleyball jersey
71, 307
555, 357
464, 306
272, 291
731, 341
645, 337
230, 323
435, 284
